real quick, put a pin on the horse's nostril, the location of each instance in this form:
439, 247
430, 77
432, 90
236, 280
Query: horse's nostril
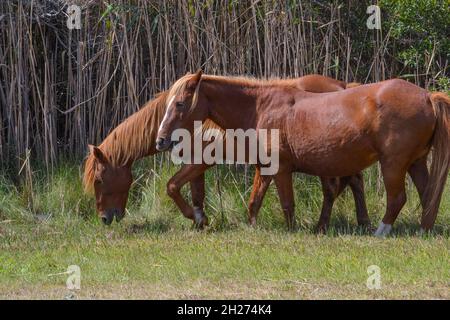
161, 144
106, 220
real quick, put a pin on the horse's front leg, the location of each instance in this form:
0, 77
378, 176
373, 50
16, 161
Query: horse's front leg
330, 191
198, 195
184, 175
283, 181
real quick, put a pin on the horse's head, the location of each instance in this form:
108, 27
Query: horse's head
111, 185
185, 104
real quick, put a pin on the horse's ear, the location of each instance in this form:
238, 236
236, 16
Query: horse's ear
197, 76
193, 82
98, 154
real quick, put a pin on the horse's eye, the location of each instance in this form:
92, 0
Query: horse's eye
180, 105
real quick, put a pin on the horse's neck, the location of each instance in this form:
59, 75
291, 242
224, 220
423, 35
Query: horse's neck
231, 106
237, 105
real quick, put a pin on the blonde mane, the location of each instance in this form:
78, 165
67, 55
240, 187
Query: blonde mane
134, 138
245, 81
180, 86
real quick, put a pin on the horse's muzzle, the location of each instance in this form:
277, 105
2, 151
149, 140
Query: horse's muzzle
163, 144
107, 216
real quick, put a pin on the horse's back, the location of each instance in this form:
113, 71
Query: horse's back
359, 126
319, 84
389, 96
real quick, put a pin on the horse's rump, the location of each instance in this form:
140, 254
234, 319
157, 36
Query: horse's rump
356, 127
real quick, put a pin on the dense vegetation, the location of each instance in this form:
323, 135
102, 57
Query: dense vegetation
61, 89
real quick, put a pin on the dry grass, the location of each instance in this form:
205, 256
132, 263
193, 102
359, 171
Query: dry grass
61, 89
227, 290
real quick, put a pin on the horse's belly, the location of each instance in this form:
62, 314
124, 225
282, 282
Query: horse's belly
334, 159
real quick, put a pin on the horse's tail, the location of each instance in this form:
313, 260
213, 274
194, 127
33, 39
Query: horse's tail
440, 163
352, 85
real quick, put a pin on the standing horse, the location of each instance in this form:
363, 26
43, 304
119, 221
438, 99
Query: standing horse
331, 134
331, 187
108, 166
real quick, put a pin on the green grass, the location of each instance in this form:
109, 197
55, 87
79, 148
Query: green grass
155, 253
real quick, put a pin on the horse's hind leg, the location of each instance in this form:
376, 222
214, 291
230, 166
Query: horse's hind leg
356, 183
283, 181
394, 182
260, 185
420, 176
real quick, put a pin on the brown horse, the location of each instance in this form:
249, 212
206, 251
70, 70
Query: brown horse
107, 169
393, 122
108, 166
331, 187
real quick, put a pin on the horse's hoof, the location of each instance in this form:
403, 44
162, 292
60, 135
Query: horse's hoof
200, 219
321, 229
199, 226
424, 232
383, 230
367, 226
205, 221
292, 228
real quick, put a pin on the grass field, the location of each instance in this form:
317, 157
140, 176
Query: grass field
154, 253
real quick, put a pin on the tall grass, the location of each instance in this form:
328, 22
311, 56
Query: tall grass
59, 201
61, 89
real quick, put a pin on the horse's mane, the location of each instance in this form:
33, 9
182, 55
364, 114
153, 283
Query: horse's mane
249, 82
180, 85
132, 139
352, 85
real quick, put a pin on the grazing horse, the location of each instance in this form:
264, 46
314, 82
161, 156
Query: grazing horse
108, 166
107, 169
330, 134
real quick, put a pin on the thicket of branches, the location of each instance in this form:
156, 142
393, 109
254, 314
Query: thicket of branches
61, 89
